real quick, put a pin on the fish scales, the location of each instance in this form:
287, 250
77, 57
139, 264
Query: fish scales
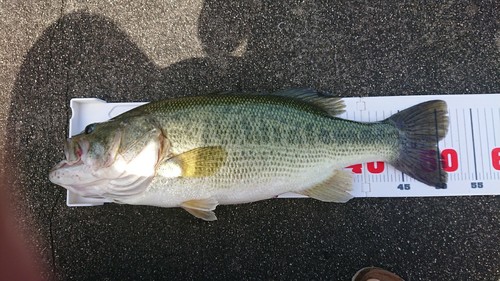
265, 140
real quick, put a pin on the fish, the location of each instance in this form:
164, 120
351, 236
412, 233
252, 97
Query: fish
202, 151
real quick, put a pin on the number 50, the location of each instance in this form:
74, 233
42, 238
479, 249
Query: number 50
495, 158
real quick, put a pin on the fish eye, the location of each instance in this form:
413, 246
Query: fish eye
90, 128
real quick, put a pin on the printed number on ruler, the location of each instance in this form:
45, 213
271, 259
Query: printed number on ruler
449, 157
450, 162
495, 158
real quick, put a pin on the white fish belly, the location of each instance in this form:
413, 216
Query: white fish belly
254, 174
171, 192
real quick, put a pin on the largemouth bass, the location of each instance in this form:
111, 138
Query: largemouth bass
199, 152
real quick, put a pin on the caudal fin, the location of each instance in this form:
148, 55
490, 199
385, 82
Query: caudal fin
421, 128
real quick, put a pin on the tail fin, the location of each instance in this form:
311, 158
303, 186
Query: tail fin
421, 128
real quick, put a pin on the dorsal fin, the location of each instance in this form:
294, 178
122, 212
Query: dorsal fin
333, 106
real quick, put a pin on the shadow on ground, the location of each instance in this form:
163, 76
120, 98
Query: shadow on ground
347, 49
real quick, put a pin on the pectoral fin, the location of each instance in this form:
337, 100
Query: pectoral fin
198, 162
201, 208
334, 189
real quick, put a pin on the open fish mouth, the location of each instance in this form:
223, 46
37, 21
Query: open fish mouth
73, 151
73, 173
66, 164
97, 175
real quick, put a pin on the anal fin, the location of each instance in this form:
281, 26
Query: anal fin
201, 208
334, 189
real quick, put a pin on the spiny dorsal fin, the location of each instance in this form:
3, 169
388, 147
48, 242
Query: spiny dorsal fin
333, 106
334, 189
201, 208
195, 163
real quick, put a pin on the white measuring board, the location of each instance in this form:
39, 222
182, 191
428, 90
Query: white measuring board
470, 151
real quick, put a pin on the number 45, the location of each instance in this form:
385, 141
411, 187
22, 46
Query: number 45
405, 186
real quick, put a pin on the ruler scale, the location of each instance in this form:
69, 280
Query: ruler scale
470, 151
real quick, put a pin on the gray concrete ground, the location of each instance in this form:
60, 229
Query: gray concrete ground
53, 51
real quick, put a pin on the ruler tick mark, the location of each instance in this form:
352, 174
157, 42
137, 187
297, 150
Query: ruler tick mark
493, 126
487, 138
473, 143
460, 166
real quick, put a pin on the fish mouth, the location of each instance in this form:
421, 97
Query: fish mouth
74, 151
67, 172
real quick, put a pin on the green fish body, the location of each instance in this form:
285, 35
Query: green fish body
198, 152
